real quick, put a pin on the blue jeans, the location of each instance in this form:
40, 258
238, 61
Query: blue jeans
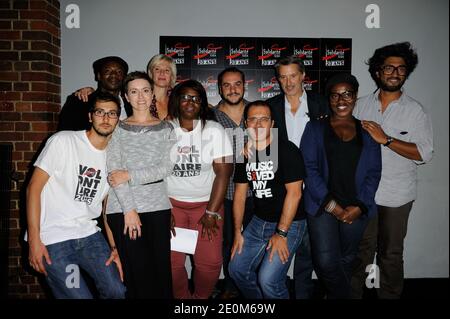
228, 237
90, 254
334, 247
251, 270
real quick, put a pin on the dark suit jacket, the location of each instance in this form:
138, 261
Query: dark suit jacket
368, 171
74, 115
317, 108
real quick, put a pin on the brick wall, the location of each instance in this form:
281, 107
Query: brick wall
29, 103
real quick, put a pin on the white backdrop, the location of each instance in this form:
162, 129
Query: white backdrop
131, 29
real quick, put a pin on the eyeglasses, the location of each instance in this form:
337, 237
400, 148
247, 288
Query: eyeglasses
255, 120
190, 98
389, 69
102, 113
346, 96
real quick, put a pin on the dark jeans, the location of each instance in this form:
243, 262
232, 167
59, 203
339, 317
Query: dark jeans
334, 247
146, 260
228, 237
303, 268
90, 254
385, 236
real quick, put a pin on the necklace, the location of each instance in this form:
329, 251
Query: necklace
153, 109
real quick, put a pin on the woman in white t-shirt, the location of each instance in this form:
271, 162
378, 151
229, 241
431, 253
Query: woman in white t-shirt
202, 167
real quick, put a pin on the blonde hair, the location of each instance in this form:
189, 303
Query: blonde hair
157, 59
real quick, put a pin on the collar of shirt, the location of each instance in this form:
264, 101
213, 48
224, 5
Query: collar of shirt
400, 100
224, 119
123, 113
303, 108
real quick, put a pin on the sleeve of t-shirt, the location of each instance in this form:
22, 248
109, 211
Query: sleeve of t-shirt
291, 162
222, 144
51, 159
240, 174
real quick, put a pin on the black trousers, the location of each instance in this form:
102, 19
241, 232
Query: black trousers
146, 260
384, 236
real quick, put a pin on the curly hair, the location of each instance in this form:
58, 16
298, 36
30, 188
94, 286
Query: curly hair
401, 49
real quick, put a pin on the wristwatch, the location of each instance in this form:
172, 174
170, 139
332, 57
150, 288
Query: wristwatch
389, 140
213, 215
281, 232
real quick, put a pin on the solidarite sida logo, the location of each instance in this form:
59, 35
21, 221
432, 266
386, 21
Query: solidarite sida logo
207, 55
177, 52
306, 54
210, 81
239, 55
181, 78
210, 85
308, 83
269, 88
336, 56
270, 55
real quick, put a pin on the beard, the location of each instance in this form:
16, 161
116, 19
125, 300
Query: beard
385, 86
228, 101
104, 133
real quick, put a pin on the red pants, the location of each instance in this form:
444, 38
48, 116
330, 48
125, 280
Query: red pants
207, 257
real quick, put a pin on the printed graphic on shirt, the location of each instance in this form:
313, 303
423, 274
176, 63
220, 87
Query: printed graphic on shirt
259, 174
89, 180
188, 162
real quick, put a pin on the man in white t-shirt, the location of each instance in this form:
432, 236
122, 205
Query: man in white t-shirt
63, 198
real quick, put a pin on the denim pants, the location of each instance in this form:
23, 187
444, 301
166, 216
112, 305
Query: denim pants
254, 275
90, 254
334, 247
303, 269
228, 237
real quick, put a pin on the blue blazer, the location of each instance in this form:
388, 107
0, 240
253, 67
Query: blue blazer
368, 171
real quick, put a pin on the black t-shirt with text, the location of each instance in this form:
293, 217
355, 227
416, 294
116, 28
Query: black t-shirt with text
267, 172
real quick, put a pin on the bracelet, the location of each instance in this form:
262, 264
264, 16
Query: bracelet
389, 140
113, 248
281, 232
213, 214
330, 206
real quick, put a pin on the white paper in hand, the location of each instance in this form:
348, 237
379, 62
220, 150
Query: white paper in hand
185, 241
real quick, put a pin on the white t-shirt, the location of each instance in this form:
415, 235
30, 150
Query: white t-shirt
193, 175
72, 196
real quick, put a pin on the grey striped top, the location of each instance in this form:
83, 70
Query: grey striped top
145, 152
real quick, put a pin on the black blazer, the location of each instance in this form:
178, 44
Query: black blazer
317, 109
74, 115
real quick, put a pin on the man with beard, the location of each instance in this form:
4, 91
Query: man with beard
64, 197
229, 112
401, 125
291, 111
109, 74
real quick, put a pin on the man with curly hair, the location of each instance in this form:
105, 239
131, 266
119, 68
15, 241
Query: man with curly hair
402, 126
